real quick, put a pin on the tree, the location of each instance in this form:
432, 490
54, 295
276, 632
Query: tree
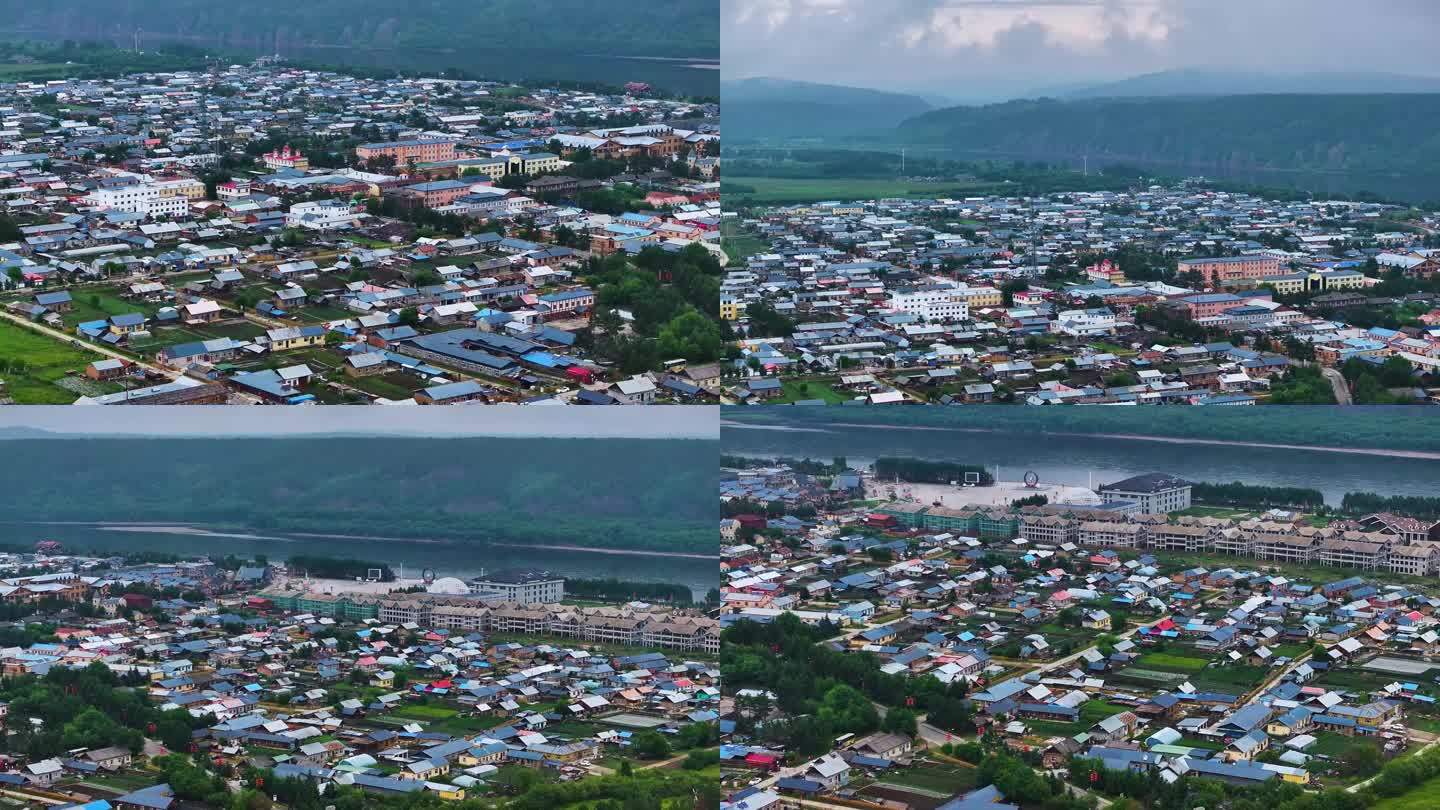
901, 721
409, 317
650, 745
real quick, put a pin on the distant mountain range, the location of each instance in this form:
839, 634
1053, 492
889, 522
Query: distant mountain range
1376, 135
763, 107
1200, 82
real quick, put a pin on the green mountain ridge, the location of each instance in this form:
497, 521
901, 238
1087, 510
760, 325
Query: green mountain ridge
766, 108
628, 27
1376, 133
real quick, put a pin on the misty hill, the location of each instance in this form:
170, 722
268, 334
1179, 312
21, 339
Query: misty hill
1382, 135
603, 493
1197, 82
763, 107
629, 27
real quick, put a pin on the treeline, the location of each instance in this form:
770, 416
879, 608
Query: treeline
1391, 428
1359, 503
1256, 496
804, 465
569, 491
622, 590
921, 471
333, 568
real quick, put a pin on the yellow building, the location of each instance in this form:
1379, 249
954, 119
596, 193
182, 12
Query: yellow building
729, 308
189, 188
978, 297
1316, 281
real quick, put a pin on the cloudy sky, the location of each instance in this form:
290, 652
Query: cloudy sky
948, 47
650, 422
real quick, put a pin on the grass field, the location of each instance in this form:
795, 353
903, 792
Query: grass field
97, 305
36, 70
1425, 796
739, 245
1214, 511
396, 385
1093, 711
786, 190
1167, 662
422, 712
796, 390
1330, 744
948, 779
44, 361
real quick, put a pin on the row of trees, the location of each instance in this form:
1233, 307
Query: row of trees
1367, 502
1236, 493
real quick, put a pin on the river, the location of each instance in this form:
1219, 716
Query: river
1083, 460
446, 558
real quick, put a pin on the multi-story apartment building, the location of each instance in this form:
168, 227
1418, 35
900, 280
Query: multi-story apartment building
1417, 561
1170, 537
420, 150
1156, 493
528, 587
1049, 529
1107, 533
1217, 270
1286, 548
1347, 553
933, 303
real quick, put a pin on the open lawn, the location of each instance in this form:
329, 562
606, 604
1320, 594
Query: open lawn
31, 364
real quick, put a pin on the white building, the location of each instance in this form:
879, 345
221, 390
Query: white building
938, 303
150, 199
1156, 493
321, 215
524, 587
1085, 322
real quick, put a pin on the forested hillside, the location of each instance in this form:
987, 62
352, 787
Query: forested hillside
770, 108
606, 493
1383, 134
631, 27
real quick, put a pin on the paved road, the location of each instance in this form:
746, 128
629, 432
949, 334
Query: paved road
1337, 382
67, 339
